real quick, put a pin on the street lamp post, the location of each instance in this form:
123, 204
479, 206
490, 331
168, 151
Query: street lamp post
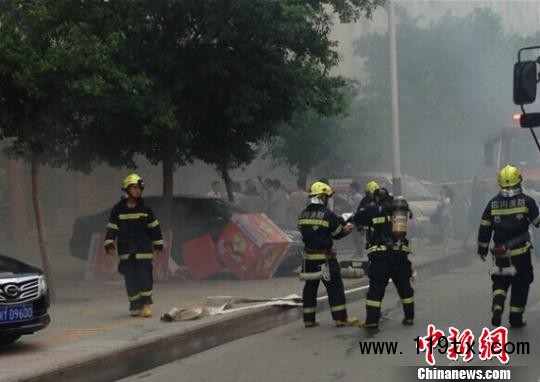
396, 161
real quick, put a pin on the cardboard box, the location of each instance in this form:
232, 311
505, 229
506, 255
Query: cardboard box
252, 246
201, 257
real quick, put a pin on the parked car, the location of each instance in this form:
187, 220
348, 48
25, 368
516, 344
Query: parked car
193, 216
24, 300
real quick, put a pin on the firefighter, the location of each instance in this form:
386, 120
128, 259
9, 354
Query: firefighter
387, 251
134, 232
507, 217
371, 187
319, 227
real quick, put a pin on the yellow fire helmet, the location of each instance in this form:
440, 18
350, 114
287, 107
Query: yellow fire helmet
320, 188
371, 187
132, 179
509, 176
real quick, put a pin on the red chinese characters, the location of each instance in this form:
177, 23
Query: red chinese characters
460, 345
429, 342
493, 344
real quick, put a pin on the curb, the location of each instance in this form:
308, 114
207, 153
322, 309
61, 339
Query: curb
155, 352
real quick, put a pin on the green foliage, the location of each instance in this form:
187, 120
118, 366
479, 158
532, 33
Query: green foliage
57, 74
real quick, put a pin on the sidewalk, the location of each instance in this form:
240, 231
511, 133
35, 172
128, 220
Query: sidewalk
90, 321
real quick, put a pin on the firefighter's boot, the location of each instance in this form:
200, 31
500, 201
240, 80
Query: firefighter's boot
310, 324
407, 321
517, 321
135, 312
496, 317
349, 321
369, 325
147, 311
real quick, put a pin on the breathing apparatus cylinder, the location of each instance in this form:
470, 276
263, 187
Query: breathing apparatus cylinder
400, 216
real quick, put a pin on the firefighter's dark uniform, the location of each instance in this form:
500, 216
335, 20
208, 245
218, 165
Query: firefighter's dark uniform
507, 219
137, 233
387, 260
319, 226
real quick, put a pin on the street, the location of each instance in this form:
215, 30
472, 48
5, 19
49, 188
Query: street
460, 298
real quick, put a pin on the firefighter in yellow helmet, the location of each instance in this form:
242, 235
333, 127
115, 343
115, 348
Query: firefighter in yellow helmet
506, 220
385, 222
370, 189
133, 232
319, 227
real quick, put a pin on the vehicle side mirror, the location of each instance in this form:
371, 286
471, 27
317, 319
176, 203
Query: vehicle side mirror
488, 154
525, 75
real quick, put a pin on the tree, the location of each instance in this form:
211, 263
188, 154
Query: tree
454, 86
51, 68
256, 64
311, 139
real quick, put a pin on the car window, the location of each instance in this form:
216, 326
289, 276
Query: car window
414, 190
8, 264
223, 208
198, 211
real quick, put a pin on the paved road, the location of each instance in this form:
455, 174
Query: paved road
459, 298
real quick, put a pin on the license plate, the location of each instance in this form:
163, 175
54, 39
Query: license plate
16, 313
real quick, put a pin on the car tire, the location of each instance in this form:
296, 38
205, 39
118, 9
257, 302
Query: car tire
8, 339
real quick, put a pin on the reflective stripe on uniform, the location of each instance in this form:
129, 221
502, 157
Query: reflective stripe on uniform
497, 307
155, 223
146, 293
112, 226
314, 256
135, 297
338, 230
109, 241
376, 249
519, 251
485, 223
483, 245
132, 216
158, 242
509, 211
138, 256
536, 221
408, 300
144, 256
403, 248
338, 308
320, 222
379, 220
498, 292
517, 309
310, 310
373, 303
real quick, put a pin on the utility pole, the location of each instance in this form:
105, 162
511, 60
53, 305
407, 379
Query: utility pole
396, 159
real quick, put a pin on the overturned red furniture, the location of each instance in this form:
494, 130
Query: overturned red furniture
252, 246
201, 257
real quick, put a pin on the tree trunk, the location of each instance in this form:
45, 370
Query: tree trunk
302, 177
38, 212
167, 174
18, 214
223, 168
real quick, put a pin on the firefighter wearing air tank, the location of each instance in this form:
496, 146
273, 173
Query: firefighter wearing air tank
385, 220
319, 227
507, 218
134, 233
